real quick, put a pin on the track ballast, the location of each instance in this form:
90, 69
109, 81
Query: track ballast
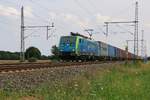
31, 66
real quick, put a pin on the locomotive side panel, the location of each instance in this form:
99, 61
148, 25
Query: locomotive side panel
88, 48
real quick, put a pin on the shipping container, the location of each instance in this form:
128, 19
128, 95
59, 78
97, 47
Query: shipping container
118, 54
104, 49
111, 51
129, 55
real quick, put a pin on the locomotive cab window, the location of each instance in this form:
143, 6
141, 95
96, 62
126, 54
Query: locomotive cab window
70, 40
80, 40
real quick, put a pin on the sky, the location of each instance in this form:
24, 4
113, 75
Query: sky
71, 16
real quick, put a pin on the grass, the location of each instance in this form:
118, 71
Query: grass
120, 82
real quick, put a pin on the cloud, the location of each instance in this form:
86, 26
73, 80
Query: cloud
8, 11
28, 12
52, 15
147, 25
13, 12
82, 22
102, 19
70, 18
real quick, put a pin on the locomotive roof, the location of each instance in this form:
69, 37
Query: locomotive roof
77, 34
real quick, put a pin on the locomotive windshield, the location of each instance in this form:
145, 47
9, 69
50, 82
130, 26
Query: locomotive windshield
68, 39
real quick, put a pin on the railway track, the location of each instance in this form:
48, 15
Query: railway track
31, 66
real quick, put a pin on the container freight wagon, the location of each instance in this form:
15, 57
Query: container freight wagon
118, 53
103, 50
111, 52
123, 55
129, 55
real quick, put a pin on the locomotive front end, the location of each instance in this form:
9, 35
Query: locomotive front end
67, 47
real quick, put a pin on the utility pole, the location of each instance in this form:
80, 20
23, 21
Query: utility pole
90, 32
22, 49
135, 22
142, 46
145, 49
136, 42
23, 37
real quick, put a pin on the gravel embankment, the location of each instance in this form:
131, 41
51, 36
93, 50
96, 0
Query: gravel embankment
31, 79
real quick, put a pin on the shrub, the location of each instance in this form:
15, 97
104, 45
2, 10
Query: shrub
33, 52
32, 59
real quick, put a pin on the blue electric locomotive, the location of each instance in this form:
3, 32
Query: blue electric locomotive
78, 47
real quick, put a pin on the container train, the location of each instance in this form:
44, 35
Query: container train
79, 47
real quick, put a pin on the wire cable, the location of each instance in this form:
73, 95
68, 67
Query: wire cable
125, 29
89, 14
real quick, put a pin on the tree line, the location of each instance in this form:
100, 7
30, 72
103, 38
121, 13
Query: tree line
6, 55
31, 52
